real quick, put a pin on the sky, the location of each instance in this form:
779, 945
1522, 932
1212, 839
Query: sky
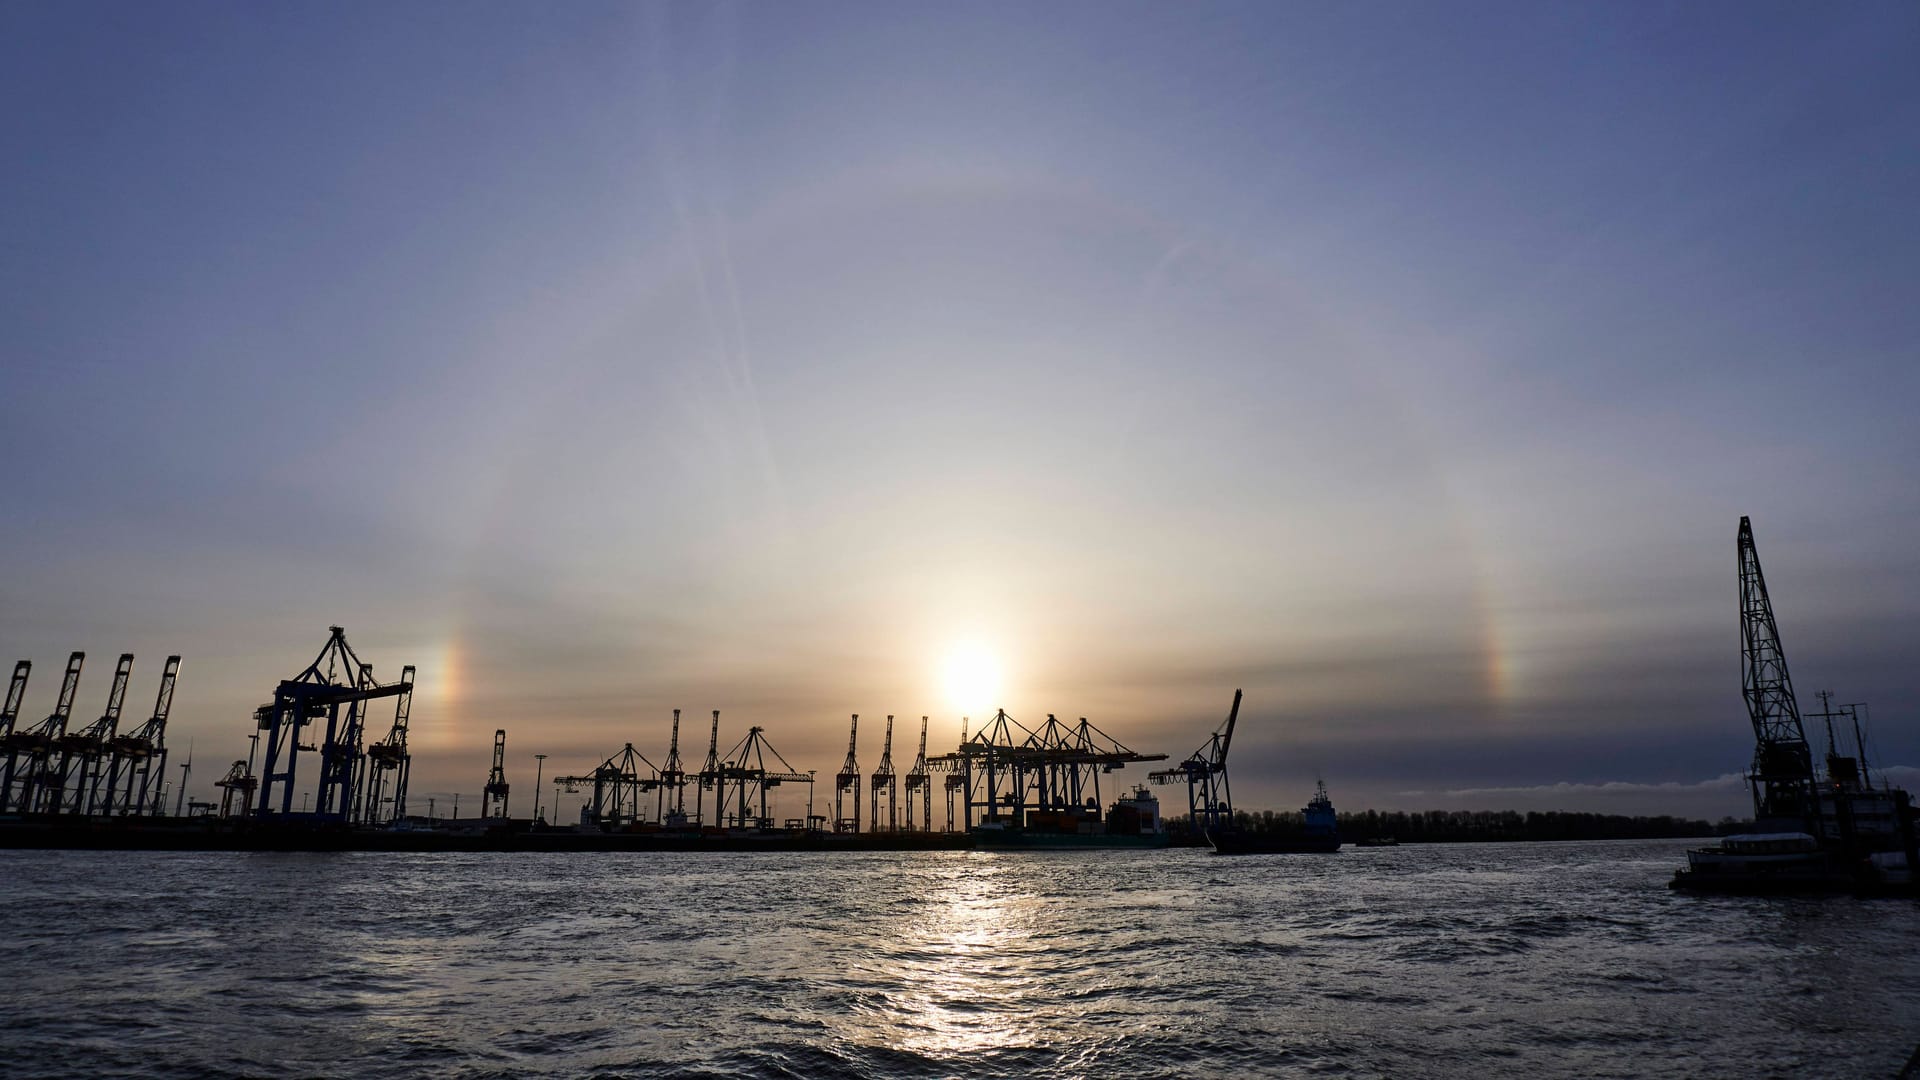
1407, 366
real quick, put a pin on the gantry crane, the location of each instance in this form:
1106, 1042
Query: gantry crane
321, 691
673, 781
745, 767
709, 773
389, 762
1209, 796
883, 781
16, 696
848, 779
618, 783
82, 753
493, 797
30, 752
130, 785
917, 783
1048, 778
10, 715
236, 788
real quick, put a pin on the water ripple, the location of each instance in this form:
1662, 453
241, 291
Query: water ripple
1504, 960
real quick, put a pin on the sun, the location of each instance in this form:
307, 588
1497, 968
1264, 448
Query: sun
973, 679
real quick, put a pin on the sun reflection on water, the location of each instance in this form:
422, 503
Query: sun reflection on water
972, 942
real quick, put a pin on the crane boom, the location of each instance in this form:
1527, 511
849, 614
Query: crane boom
16, 693
1784, 788
1226, 740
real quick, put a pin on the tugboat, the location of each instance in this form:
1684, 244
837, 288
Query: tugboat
1835, 832
1322, 833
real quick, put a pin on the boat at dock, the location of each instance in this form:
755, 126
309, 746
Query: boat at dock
1825, 831
1763, 863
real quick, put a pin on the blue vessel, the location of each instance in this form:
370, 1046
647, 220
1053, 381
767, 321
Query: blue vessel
1322, 833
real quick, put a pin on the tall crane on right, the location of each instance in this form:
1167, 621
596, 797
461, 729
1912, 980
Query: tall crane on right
1812, 831
1785, 792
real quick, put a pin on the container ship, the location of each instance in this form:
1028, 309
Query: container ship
1131, 822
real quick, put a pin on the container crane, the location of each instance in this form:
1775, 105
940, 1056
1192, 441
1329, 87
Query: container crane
493, 796
1209, 795
389, 763
1015, 777
673, 781
9, 715
83, 752
848, 778
320, 692
710, 772
917, 782
618, 783
236, 789
135, 755
29, 752
746, 768
956, 782
883, 780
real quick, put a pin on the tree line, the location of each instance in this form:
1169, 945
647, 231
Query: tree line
1465, 826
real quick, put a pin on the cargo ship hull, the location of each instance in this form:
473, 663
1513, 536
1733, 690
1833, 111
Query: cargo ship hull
1020, 840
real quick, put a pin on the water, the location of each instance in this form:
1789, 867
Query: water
1499, 960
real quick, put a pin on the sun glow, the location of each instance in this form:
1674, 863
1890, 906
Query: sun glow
972, 676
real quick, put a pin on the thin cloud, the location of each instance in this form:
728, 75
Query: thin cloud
1724, 782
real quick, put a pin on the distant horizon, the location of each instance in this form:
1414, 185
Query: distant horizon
1710, 799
